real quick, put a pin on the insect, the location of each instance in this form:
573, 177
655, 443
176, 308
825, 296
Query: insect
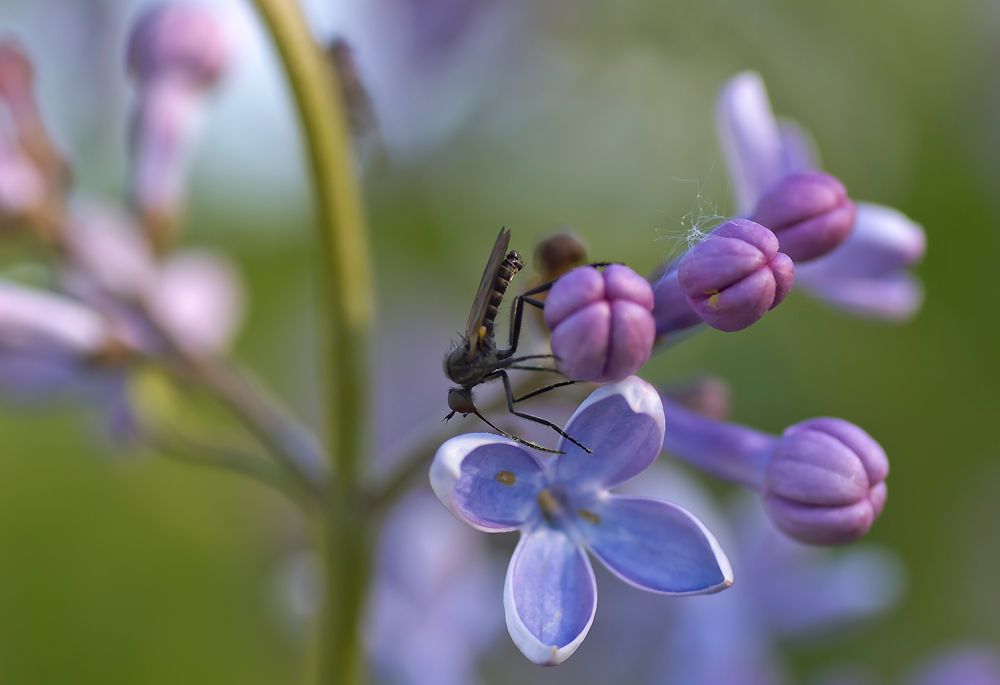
476, 359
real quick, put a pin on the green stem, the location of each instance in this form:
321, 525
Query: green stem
347, 295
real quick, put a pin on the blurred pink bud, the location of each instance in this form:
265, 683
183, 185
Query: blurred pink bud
107, 248
736, 275
809, 212
198, 301
22, 187
602, 323
825, 482
178, 39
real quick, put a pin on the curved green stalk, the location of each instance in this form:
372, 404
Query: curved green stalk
346, 285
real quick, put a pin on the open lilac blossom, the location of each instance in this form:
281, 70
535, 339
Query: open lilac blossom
868, 274
433, 608
602, 328
562, 508
809, 213
176, 53
823, 480
736, 275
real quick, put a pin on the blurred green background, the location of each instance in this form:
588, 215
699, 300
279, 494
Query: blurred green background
130, 569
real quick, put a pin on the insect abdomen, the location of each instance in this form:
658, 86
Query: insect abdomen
511, 264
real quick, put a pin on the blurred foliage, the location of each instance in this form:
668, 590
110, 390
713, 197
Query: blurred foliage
130, 569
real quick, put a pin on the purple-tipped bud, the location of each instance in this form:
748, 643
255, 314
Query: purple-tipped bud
180, 39
602, 325
809, 212
825, 482
733, 277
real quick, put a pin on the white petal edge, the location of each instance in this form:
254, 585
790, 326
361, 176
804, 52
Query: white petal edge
720, 556
31, 318
642, 398
533, 649
447, 468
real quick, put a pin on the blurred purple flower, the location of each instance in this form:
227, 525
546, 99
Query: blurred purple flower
563, 508
786, 591
602, 329
960, 664
735, 276
823, 480
433, 608
868, 274
22, 187
176, 53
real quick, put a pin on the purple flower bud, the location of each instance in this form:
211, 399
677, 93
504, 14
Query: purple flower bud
825, 482
179, 39
809, 212
601, 323
22, 187
736, 275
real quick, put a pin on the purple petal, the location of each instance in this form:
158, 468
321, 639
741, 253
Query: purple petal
961, 665
884, 240
549, 597
39, 321
487, 481
622, 423
750, 139
655, 545
798, 147
893, 297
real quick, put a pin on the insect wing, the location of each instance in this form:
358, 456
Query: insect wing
482, 300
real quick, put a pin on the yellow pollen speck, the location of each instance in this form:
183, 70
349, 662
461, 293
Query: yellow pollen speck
713, 300
589, 516
506, 477
482, 332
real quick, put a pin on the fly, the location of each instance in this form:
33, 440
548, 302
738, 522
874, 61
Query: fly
476, 359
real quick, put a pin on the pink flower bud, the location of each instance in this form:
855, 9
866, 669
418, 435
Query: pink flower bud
602, 325
180, 39
736, 275
825, 482
809, 212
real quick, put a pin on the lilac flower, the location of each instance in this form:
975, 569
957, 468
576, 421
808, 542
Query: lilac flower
602, 329
823, 480
563, 508
868, 274
176, 53
735, 276
432, 609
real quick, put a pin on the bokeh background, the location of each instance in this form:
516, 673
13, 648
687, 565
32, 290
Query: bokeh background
119, 567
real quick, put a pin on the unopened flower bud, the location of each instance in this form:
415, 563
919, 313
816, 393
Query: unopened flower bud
809, 212
178, 39
22, 187
825, 482
559, 254
601, 323
736, 275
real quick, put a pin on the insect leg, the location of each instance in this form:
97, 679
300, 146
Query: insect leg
536, 419
545, 389
533, 368
516, 439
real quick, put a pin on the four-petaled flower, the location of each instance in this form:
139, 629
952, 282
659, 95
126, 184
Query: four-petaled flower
563, 508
